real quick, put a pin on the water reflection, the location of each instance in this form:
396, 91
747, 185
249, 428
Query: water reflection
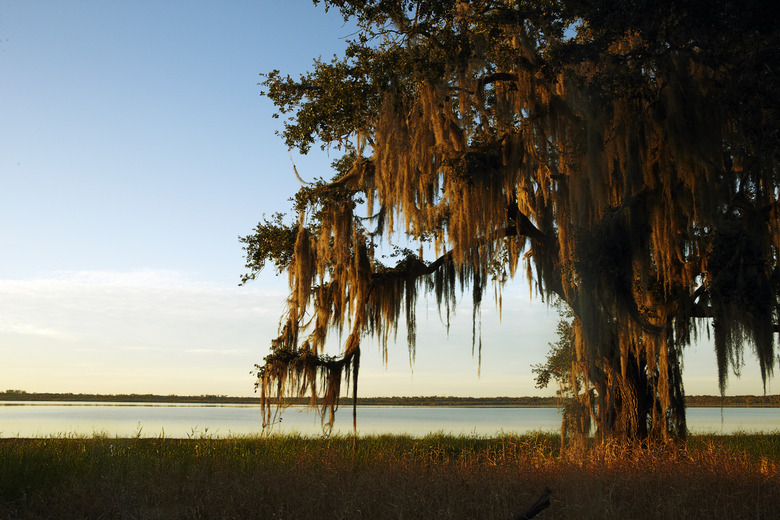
177, 420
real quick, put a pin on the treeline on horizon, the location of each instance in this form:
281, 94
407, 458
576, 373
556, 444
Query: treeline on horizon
525, 401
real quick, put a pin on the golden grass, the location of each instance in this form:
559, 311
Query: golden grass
388, 477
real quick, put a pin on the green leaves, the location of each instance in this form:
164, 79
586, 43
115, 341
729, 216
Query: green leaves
273, 241
558, 364
331, 104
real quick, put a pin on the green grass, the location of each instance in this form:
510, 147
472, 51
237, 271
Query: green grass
438, 476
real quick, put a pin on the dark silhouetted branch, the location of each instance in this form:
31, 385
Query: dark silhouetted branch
541, 503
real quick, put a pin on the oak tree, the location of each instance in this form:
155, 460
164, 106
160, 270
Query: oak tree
623, 155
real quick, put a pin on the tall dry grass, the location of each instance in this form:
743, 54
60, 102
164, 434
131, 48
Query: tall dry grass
387, 477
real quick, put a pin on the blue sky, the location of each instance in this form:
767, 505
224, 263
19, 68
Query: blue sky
134, 150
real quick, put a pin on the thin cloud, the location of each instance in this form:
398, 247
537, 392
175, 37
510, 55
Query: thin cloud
140, 323
31, 329
221, 351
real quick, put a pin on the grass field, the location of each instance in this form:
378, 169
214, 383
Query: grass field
729, 477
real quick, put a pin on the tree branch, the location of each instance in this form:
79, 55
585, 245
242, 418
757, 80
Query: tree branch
539, 505
416, 268
354, 175
493, 78
523, 225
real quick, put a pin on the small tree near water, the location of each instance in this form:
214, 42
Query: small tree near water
560, 367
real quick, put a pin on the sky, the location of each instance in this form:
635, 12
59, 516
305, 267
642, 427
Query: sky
135, 148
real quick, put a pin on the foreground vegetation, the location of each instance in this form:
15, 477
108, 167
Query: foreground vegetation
736, 476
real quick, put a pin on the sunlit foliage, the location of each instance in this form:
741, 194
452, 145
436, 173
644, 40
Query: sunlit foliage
628, 153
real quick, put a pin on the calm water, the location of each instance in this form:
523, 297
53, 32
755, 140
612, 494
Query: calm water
24, 419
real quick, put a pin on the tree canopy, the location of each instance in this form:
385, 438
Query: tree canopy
626, 152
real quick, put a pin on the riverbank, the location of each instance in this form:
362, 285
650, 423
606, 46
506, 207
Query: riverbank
699, 401
736, 476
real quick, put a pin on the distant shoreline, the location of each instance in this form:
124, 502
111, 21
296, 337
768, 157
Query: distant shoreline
694, 401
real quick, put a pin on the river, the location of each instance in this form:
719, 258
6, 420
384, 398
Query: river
46, 419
